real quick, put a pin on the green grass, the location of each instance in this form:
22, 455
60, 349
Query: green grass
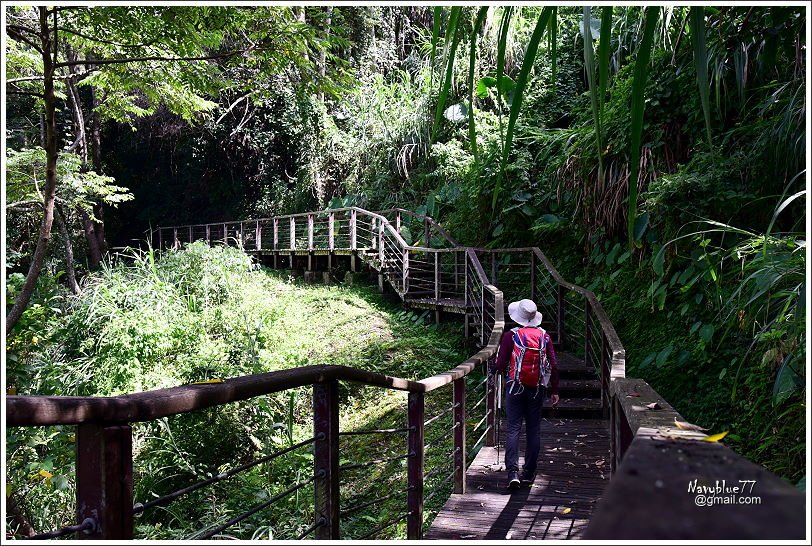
205, 313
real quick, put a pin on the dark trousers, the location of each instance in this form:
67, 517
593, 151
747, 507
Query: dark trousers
524, 404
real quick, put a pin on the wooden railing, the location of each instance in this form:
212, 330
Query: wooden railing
448, 276
667, 483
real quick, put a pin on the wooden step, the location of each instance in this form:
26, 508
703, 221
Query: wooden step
579, 388
580, 408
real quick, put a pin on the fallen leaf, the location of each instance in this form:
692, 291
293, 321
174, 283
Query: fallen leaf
510, 534
570, 463
715, 437
482, 504
560, 491
653, 405
687, 426
207, 382
600, 462
580, 435
467, 536
566, 510
633, 395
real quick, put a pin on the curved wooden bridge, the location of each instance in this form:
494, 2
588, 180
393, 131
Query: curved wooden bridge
601, 429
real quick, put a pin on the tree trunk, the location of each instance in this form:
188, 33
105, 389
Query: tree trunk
94, 250
70, 269
51, 153
318, 182
93, 227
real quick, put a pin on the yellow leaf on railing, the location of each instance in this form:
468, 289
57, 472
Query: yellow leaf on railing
207, 382
715, 437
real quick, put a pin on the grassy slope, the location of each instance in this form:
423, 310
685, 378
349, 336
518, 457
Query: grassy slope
205, 313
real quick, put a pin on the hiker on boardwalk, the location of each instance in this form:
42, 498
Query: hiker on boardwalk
528, 355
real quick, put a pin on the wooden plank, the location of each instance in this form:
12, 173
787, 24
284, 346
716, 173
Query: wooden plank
326, 459
488, 511
416, 418
104, 488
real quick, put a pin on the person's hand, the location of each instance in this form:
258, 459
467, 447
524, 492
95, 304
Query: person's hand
554, 399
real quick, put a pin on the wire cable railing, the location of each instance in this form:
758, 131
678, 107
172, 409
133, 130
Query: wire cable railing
440, 270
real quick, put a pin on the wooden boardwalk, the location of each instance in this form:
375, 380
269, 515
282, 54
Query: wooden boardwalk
573, 470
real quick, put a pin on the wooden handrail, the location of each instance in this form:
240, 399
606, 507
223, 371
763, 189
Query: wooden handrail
436, 225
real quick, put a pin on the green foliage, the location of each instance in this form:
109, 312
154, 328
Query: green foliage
638, 90
203, 313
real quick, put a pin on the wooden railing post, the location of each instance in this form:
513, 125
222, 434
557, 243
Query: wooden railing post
561, 304
353, 232
459, 435
208, 233
397, 221
326, 459
310, 232
587, 332
175, 240
373, 240
225, 234
190, 235
258, 237
331, 231
405, 271
292, 237
414, 518
467, 299
160, 239
242, 234
426, 232
276, 233
104, 480
437, 277
533, 280
482, 339
381, 257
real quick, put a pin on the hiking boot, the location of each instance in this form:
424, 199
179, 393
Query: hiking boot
513, 480
528, 477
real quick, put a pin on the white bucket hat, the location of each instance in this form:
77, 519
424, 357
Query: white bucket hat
524, 312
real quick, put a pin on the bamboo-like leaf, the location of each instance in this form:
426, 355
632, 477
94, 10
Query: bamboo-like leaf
480, 18
552, 35
518, 92
697, 20
501, 45
589, 66
603, 55
435, 34
638, 105
454, 36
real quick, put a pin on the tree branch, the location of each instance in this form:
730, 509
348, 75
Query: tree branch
75, 75
14, 92
14, 35
155, 58
24, 29
86, 37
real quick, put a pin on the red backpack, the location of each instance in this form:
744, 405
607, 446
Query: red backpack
529, 365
